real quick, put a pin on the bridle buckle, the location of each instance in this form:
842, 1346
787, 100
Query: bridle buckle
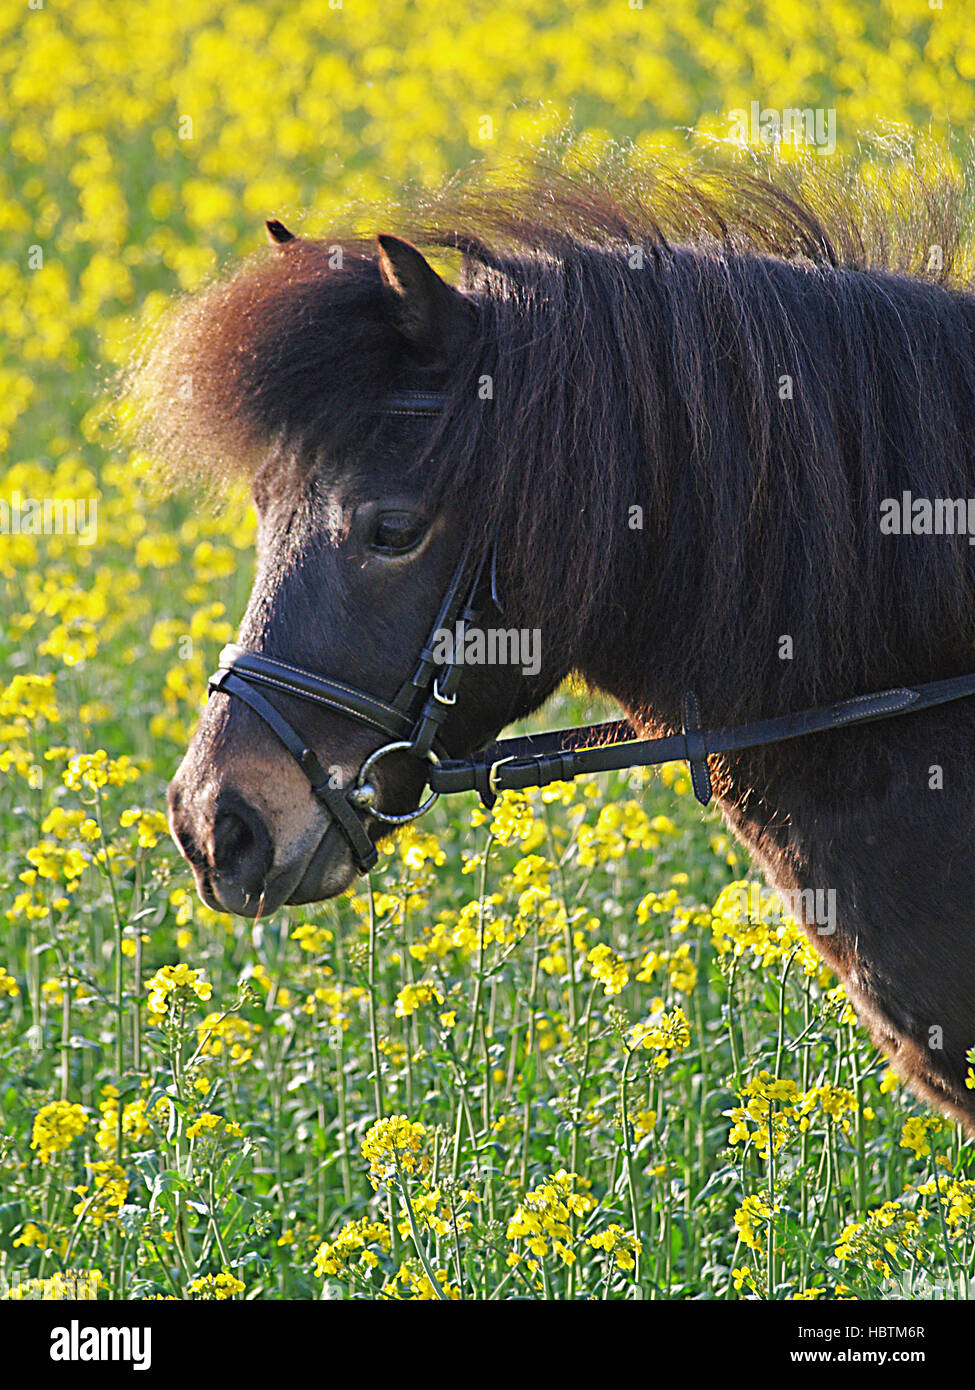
493, 774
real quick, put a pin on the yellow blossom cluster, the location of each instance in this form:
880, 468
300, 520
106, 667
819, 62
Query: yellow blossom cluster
213, 1127
752, 1219
663, 1034
544, 1216
619, 827
956, 1196
621, 1245
151, 825
351, 1245
312, 939
608, 968
31, 1237
773, 1109
216, 1287
172, 984
102, 1203
890, 1232
228, 1036
917, 1131
70, 824
332, 1003
749, 920
56, 1126
418, 849
135, 1121
393, 1145
414, 997
437, 1213
92, 771
678, 965
511, 820
416, 1283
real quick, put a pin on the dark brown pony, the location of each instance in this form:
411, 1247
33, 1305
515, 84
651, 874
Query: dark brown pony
679, 427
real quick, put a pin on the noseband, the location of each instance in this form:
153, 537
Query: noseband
412, 720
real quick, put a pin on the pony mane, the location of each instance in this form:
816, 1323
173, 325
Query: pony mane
637, 329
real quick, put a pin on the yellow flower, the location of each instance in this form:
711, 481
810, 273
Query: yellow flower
609, 969
110, 1191
229, 1036
92, 771
413, 997
662, 1033
334, 1257
418, 847
644, 1121
916, 1130
618, 1243
311, 938
31, 1235
151, 825
545, 1215
215, 1126
28, 699
174, 984
217, 1287
511, 818
135, 1121
887, 1232
55, 1127
753, 1214
391, 1144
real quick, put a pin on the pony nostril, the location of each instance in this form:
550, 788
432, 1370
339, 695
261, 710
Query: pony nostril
241, 848
232, 837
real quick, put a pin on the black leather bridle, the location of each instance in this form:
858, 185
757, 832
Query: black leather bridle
412, 720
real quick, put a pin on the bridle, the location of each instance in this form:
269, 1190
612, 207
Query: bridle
413, 718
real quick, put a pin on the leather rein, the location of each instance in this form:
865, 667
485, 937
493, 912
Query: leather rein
413, 718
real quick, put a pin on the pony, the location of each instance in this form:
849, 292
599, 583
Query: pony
679, 411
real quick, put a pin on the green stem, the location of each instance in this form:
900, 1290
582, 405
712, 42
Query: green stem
415, 1231
628, 1165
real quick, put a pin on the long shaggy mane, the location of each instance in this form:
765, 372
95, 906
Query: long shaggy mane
637, 326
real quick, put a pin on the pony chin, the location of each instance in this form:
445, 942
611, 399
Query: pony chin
329, 872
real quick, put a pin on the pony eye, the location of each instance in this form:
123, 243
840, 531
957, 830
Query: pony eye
397, 532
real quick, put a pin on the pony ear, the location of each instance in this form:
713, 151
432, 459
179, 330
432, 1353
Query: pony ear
278, 233
430, 315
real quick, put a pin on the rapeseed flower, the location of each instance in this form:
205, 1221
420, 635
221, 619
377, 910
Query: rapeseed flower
216, 1287
391, 1145
175, 984
56, 1126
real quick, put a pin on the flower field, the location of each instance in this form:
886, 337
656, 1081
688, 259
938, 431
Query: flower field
569, 1049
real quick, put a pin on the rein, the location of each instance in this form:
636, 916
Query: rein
412, 720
